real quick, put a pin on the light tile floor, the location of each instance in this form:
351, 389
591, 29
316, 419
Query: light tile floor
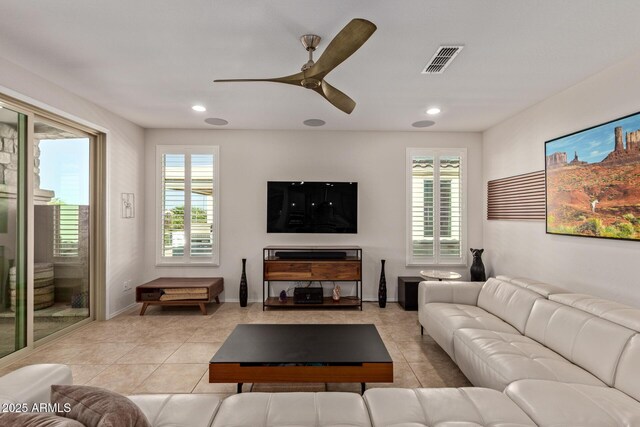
168, 350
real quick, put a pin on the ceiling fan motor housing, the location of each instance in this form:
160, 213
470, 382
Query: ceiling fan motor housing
310, 83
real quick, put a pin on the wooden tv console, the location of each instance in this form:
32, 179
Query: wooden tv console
312, 269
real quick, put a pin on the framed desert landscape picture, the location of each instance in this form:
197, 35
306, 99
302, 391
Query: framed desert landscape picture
593, 181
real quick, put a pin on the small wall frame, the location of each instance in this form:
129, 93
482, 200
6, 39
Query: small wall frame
128, 205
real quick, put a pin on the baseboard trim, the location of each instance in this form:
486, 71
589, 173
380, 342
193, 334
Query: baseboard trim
238, 300
122, 310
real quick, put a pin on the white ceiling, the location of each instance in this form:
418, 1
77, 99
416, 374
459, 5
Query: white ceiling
150, 60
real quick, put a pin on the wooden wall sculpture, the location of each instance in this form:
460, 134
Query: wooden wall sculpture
517, 197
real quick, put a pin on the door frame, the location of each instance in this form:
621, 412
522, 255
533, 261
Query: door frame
97, 203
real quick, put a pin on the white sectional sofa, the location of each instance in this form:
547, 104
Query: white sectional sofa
565, 359
377, 408
538, 354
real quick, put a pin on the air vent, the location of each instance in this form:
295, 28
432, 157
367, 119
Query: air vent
441, 59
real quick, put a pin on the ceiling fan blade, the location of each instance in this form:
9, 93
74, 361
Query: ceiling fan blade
343, 45
336, 97
293, 79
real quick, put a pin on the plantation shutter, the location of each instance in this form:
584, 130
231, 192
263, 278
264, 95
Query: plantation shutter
450, 222
436, 207
173, 202
188, 205
422, 207
201, 205
427, 208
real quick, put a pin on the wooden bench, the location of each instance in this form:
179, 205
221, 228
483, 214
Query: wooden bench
150, 292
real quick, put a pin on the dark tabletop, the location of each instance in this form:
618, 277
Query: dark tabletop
182, 282
303, 344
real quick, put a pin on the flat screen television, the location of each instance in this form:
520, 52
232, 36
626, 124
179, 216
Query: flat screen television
312, 207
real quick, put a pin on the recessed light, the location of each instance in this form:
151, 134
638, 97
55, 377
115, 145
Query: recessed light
199, 108
314, 122
423, 124
433, 111
216, 121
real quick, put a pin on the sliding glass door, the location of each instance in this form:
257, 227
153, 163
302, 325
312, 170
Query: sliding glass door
13, 284
51, 225
61, 280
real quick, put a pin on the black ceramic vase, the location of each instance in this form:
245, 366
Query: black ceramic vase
382, 289
477, 267
244, 291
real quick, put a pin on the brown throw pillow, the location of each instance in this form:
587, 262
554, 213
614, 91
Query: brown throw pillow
97, 407
23, 419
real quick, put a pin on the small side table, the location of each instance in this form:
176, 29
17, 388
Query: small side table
408, 292
150, 292
440, 275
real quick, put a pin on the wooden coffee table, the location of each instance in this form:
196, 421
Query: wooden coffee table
149, 293
302, 353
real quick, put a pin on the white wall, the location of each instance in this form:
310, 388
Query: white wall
600, 267
125, 163
376, 160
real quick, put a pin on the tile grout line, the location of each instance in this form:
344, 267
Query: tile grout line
201, 378
145, 379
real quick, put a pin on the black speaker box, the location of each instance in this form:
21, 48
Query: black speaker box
307, 296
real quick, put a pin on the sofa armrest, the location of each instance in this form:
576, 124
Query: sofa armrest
449, 292
32, 384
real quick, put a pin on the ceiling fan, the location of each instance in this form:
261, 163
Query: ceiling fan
343, 45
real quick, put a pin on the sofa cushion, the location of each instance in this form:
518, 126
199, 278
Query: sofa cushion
496, 359
443, 407
178, 410
97, 407
509, 302
628, 372
541, 288
18, 419
441, 320
551, 403
292, 409
447, 291
593, 343
623, 315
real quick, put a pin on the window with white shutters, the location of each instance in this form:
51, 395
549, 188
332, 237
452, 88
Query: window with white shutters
436, 206
188, 205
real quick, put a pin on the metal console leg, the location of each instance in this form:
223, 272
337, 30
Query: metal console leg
239, 388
